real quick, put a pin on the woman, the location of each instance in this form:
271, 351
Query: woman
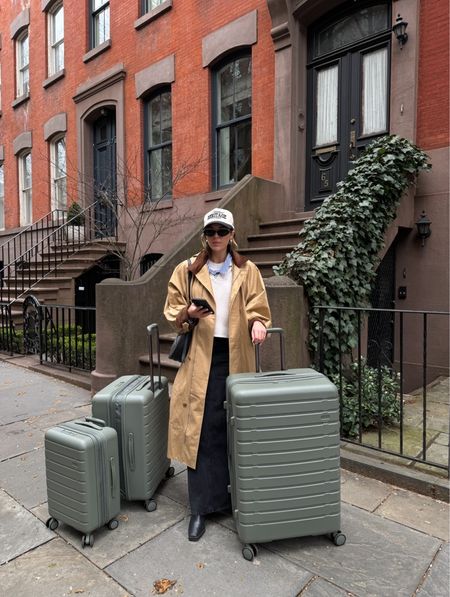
222, 344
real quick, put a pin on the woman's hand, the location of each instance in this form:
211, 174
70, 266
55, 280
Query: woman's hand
197, 312
259, 332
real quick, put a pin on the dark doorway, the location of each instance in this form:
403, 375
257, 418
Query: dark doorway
380, 340
104, 132
109, 267
348, 92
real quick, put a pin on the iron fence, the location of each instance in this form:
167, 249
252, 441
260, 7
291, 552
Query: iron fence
385, 381
61, 335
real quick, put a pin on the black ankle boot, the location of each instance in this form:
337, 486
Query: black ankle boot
196, 527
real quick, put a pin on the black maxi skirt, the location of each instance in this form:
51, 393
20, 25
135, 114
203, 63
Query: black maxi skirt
208, 482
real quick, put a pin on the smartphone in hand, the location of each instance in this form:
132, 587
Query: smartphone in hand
202, 304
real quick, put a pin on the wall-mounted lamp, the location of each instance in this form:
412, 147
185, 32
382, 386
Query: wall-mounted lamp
399, 30
423, 227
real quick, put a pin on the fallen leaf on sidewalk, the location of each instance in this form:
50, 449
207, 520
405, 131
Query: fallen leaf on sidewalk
200, 565
163, 585
123, 517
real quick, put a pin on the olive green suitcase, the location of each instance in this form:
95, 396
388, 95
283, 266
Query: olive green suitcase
82, 472
283, 447
137, 407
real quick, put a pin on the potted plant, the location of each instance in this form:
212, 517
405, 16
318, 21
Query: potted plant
75, 223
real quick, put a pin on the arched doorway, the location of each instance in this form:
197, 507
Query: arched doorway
348, 74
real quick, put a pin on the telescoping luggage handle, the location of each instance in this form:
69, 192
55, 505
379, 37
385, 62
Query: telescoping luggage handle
279, 331
153, 329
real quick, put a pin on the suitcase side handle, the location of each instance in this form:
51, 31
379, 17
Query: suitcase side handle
279, 331
112, 467
153, 329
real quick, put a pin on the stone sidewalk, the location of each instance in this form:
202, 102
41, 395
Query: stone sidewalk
397, 541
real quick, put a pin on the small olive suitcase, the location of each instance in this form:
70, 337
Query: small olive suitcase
137, 407
283, 448
82, 472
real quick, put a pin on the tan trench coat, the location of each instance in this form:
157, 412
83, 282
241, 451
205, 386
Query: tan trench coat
248, 303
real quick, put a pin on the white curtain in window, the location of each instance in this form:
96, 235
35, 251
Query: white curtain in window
374, 100
327, 105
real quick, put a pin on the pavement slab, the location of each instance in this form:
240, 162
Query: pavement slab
176, 489
18, 438
380, 557
437, 580
25, 393
136, 526
362, 491
44, 422
20, 531
417, 511
212, 567
321, 588
55, 569
23, 478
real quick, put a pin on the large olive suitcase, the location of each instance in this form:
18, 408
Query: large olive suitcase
82, 471
137, 407
283, 447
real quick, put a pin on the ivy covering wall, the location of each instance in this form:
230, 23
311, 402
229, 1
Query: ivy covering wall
338, 252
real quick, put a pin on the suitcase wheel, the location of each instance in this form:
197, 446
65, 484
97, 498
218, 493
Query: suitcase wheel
52, 524
170, 472
338, 538
249, 551
87, 540
150, 505
113, 524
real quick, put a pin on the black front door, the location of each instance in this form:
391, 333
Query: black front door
104, 130
348, 92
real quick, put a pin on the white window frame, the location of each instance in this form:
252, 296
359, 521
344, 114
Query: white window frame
55, 46
25, 191
58, 177
98, 36
2, 197
22, 70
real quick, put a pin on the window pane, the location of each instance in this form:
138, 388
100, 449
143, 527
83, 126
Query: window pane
155, 121
243, 87
166, 173
99, 3
243, 150
166, 117
60, 158
374, 92
24, 57
151, 4
27, 171
327, 106
352, 28
155, 174
102, 26
58, 25
224, 156
226, 93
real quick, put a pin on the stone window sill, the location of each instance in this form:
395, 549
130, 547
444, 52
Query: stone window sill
56, 77
153, 14
21, 99
97, 50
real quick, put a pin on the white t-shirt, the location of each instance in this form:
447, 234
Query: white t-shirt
221, 284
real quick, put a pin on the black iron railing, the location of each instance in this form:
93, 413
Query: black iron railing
17, 245
44, 257
61, 335
383, 381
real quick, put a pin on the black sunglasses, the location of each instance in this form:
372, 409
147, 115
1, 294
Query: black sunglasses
220, 231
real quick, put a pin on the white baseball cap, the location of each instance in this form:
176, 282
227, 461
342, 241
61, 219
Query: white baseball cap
219, 216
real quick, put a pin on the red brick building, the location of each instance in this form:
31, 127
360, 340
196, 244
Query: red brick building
207, 92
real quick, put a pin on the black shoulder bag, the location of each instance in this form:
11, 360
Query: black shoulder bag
180, 346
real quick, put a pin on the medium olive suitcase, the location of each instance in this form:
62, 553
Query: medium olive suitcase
82, 471
137, 407
283, 447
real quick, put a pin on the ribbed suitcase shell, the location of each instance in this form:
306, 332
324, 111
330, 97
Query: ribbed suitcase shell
82, 470
283, 444
141, 419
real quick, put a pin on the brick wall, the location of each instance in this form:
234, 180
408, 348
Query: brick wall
178, 31
433, 103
